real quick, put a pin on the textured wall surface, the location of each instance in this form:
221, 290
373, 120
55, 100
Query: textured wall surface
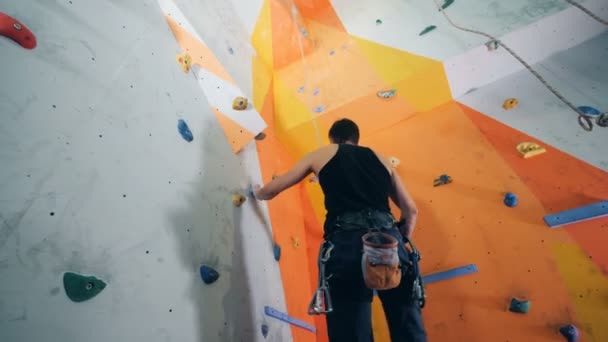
96, 179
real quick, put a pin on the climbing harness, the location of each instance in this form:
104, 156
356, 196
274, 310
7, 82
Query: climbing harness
584, 120
418, 293
321, 299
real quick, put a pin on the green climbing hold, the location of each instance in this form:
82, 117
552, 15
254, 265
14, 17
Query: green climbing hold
446, 4
427, 30
378, 22
80, 288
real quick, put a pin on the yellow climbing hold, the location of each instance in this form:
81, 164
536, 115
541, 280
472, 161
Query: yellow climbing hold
510, 103
185, 61
239, 103
295, 241
530, 149
238, 200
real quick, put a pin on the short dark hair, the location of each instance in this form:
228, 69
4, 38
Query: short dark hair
344, 130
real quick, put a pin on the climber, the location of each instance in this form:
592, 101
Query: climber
357, 184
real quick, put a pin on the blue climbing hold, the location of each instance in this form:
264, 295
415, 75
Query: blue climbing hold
319, 109
332, 52
276, 250
589, 110
519, 306
569, 332
301, 89
208, 274
264, 330
230, 51
316, 92
183, 129
304, 32
510, 199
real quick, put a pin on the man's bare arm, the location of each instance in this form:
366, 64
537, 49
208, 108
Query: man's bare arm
405, 202
302, 169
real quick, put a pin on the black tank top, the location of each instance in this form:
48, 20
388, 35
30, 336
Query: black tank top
354, 180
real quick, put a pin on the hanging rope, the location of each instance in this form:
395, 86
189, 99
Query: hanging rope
588, 12
584, 120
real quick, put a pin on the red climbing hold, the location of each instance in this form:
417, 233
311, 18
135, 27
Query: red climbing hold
13, 29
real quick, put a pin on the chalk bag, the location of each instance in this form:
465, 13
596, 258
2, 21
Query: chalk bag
380, 261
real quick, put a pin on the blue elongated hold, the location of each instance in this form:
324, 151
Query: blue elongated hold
319, 109
510, 199
269, 311
449, 274
569, 332
589, 110
183, 129
519, 306
588, 212
316, 92
264, 330
208, 274
276, 250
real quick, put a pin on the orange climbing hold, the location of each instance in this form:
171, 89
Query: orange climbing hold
185, 61
510, 103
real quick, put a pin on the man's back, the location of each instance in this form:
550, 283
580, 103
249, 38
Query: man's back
353, 178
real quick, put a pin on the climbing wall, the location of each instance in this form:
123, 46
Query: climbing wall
434, 97
117, 182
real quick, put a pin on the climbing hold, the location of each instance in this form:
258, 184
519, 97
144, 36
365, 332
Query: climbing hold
316, 92
602, 120
519, 306
304, 32
530, 149
239, 103
492, 45
319, 109
332, 52
427, 30
230, 51
588, 110
295, 241
394, 161
272, 312
510, 103
80, 288
264, 330
378, 22
260, 136
386, 94
276, 250
301, 89
447, 4
569, 332
442, 180
15, 30
209, 274
238, 200
185, 61
510, 199
184, 130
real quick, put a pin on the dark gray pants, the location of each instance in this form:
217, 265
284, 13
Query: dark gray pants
351, 319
